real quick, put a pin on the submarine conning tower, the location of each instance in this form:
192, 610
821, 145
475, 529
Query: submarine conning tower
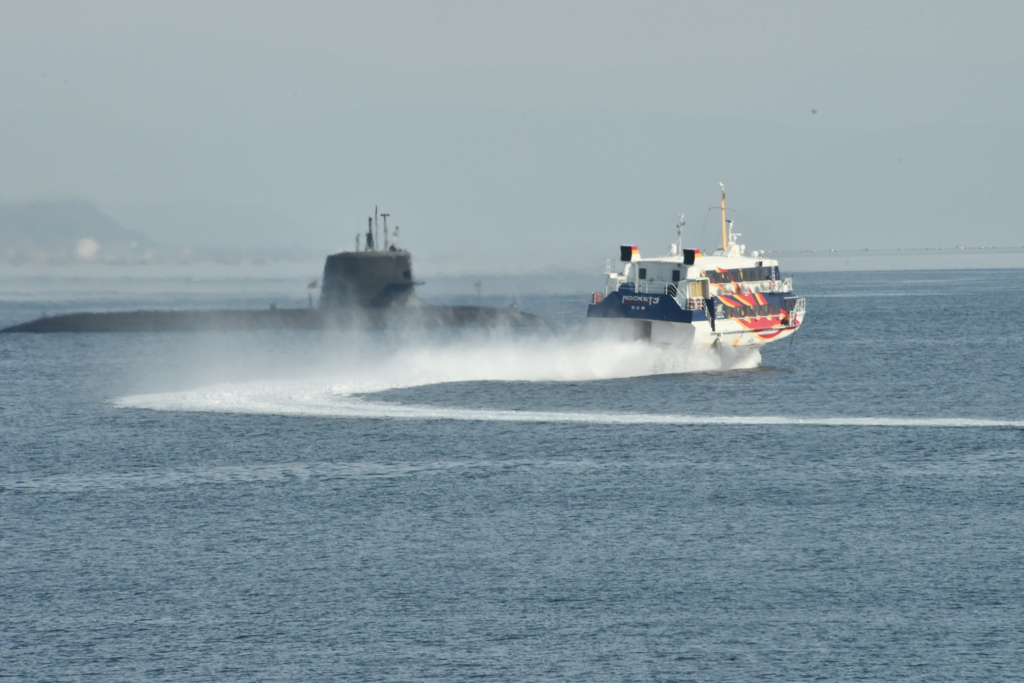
369, 277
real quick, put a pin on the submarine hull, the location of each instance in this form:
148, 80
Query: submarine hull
360, 290
281, 319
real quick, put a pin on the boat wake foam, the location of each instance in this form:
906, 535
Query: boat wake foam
359, 364
343, 388
298, 401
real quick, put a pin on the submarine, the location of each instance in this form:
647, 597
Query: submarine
368, 288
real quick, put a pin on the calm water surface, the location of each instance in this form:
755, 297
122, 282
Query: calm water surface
323, 505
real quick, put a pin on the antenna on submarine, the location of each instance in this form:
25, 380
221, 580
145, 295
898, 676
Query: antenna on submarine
387, 241
376, 231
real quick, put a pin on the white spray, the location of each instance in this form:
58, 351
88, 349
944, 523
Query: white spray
345, 365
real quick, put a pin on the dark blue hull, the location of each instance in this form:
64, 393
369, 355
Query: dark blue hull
644, 307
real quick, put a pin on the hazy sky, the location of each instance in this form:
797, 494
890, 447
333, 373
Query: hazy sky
524, 134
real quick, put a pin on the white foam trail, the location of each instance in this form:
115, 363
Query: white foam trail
359, 364
363, 370
277, 400
561, 358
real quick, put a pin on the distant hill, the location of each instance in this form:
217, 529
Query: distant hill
73, 231
64, 232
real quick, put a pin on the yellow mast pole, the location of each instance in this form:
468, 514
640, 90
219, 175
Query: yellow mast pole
725, 237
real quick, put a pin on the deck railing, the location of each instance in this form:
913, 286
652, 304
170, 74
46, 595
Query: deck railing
676, 290
779, 286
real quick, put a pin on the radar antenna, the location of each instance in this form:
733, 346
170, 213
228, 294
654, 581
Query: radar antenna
733, 235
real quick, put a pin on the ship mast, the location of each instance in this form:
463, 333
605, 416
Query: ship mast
725, 236
679, 233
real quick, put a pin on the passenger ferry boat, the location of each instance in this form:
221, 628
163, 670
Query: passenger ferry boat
690, 299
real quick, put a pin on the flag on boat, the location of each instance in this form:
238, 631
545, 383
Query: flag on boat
629, 252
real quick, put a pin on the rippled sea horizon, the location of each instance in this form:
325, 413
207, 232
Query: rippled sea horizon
508, 506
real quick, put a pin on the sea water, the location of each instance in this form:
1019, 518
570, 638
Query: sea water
499, 505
